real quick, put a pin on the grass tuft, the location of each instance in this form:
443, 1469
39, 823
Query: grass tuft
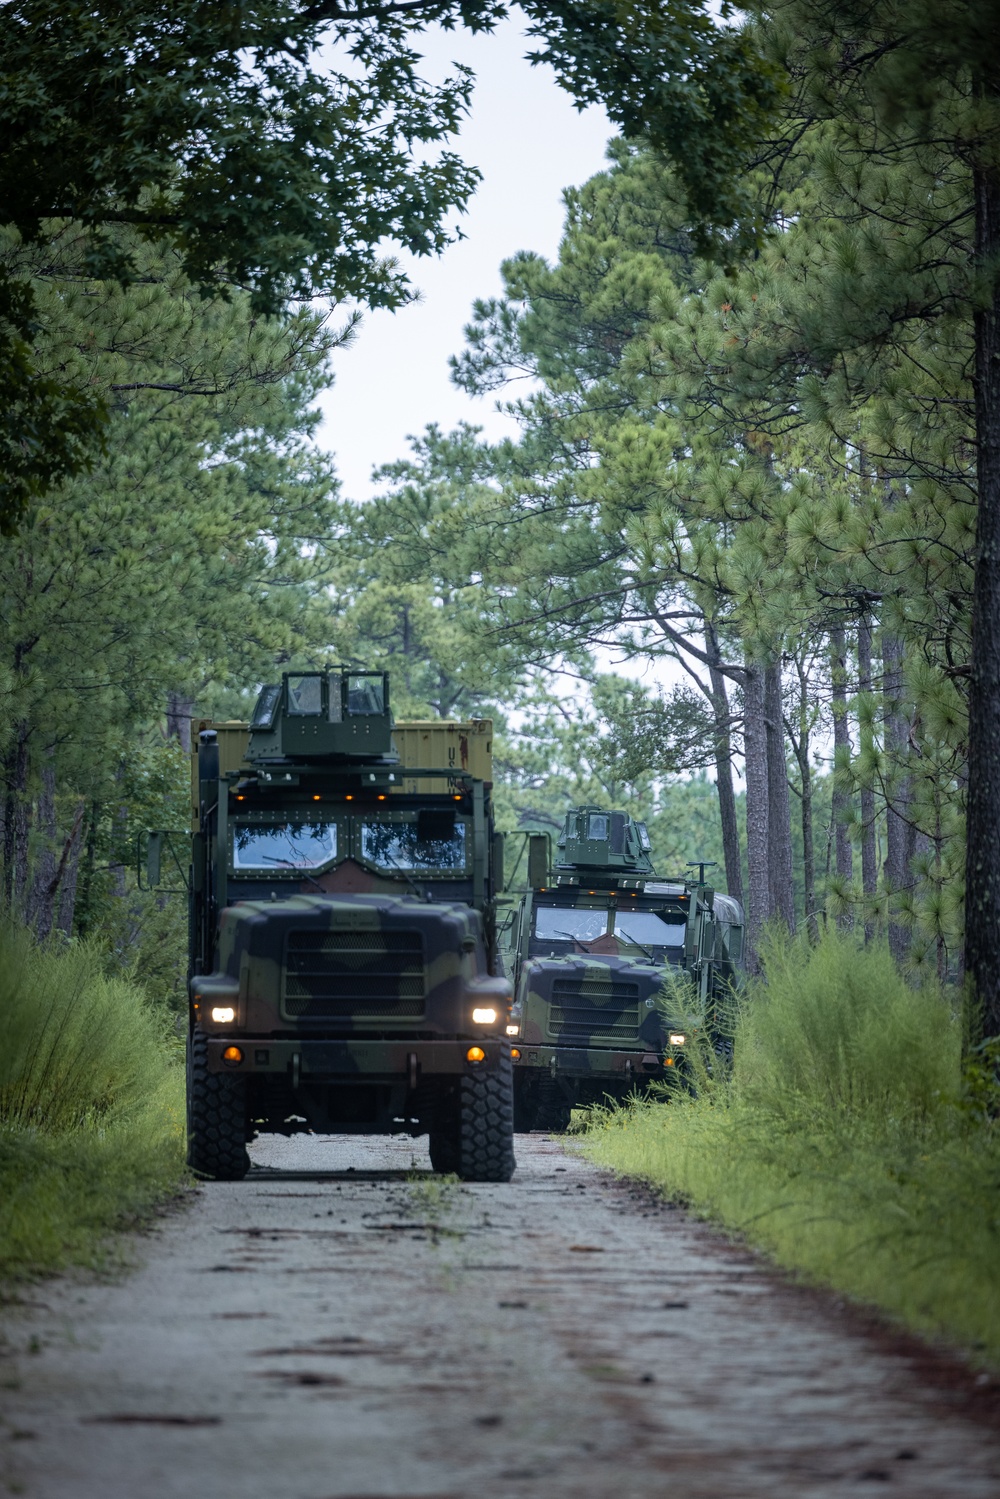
91, 1105
847, 1142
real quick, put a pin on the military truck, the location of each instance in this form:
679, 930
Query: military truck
343, 973
591, 947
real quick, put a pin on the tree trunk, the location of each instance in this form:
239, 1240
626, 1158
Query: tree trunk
755, 750
17, 820
841, 800
898, 834
808, 852
869, 852
41, 899
982, 868
83, 914
69, 866
799, 738
727, 816
779, 823
180, 711
724, 771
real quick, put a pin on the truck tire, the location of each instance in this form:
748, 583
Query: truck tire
217, 1117
443, 1148
525, 1106
553, 1110
485, 1136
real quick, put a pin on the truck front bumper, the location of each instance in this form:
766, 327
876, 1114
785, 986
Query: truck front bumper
569, 1061
325, 1060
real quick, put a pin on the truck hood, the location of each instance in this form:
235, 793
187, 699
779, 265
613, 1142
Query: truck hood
348, 958
581, 1001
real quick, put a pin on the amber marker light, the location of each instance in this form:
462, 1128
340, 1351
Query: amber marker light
348, 798
232, 1056
668, 1061
381, 797
474, 1054
515, 1054
317, 798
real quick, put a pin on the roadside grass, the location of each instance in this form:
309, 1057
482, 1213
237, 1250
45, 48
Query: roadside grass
91, 1106
847, 1142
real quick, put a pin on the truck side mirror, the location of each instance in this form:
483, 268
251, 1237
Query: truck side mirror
538, 860
154, 859
499, 853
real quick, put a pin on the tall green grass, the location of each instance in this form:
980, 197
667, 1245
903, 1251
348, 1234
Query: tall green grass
847, 1141
91, 1105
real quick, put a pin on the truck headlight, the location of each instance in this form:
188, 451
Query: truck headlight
676, 1039
513, 1030
223, 1014
484, 1017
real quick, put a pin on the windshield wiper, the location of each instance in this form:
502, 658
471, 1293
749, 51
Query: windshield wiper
587, 944
287, 864
624, 937
420, 894
580, 941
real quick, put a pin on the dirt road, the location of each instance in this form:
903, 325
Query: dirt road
343, 1325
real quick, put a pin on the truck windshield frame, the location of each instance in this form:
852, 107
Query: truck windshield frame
284, 844
393, 842
570, 923
665, 930
285, 847
650, 928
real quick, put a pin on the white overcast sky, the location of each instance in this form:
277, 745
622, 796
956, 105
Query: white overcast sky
529, 142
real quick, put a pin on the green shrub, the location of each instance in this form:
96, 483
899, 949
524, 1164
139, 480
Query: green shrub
845, 1141
91, 1104
838, 1028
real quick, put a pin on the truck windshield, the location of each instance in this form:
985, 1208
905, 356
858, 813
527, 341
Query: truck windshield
289, 845
564, 923
406, 845
649, 929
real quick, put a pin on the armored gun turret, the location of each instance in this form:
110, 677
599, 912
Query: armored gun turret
594, 840
344, 975
592, 949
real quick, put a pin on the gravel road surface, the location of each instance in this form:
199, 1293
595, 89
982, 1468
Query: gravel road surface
344, 1325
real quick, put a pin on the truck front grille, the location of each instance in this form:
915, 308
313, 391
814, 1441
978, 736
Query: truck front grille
370, 974
595, 1008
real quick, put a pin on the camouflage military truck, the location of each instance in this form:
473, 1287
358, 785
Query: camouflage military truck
342, 950
590, 949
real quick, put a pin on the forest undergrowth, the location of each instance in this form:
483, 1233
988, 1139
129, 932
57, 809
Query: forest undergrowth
849, 1142
91, 1106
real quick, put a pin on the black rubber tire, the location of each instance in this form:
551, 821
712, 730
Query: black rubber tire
525, 1107
443, 1148
554, 1110
486, 1124
216, 1117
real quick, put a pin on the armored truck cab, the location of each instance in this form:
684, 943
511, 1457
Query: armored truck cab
591, 952
343, 973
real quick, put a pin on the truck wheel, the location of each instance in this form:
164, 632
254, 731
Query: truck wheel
486, 1124
217, 1113
443, 1147
553, 1110
525, 1107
